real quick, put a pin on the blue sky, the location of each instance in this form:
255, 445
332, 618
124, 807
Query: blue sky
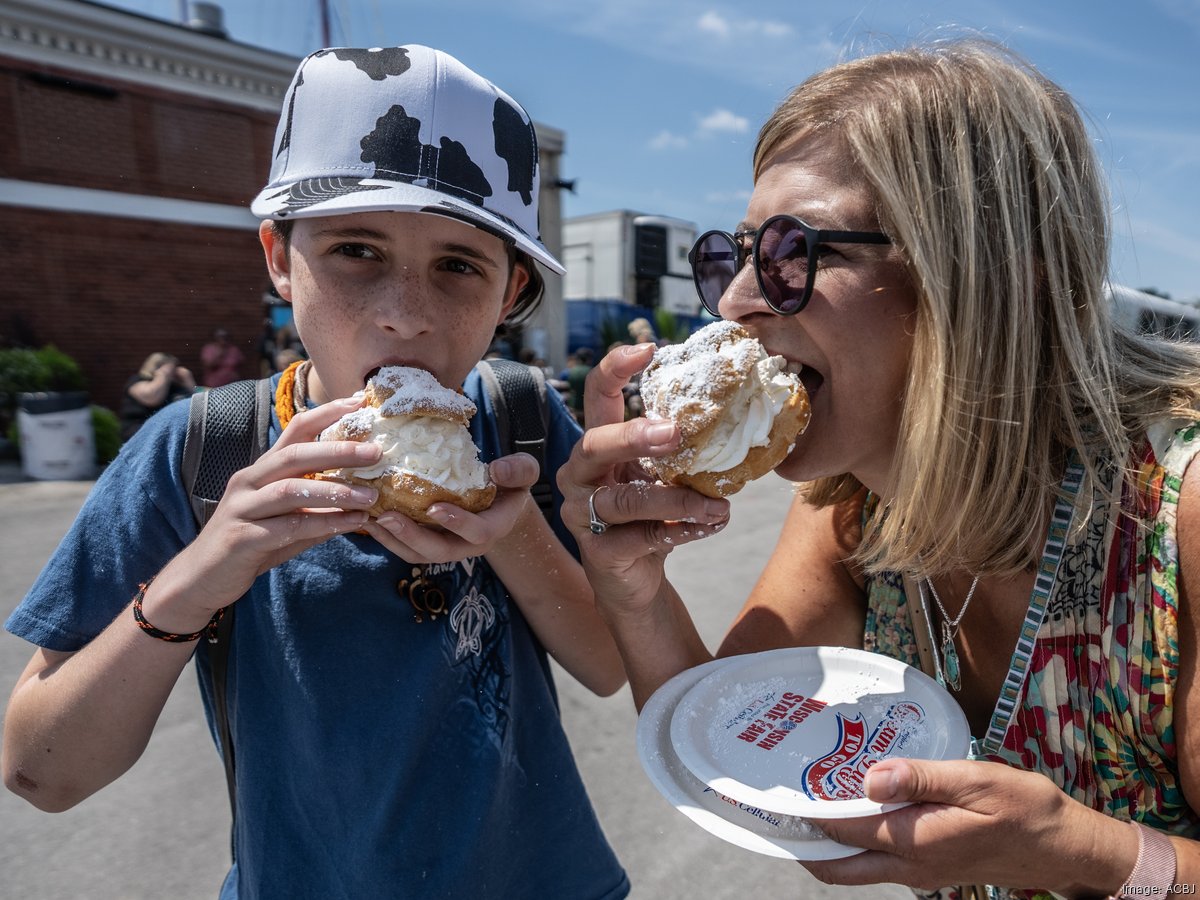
661, 100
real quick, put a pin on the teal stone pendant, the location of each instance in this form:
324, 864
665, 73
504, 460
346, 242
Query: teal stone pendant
950, 666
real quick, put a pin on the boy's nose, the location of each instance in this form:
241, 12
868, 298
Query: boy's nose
404, 307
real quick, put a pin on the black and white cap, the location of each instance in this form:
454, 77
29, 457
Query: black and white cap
408, 129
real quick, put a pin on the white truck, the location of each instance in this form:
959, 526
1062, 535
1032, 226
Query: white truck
631, 257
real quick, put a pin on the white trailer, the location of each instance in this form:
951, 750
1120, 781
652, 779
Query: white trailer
1154, 315
628, 256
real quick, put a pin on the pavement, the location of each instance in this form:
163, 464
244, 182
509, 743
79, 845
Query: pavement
161, 831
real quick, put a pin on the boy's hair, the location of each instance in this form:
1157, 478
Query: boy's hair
407, 129
528, 299
986, 181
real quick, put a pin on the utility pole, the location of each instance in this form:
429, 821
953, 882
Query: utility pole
326, 41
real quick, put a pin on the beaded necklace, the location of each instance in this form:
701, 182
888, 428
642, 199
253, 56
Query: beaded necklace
291, 395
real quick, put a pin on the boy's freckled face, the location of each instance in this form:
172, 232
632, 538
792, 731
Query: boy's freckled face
390, 288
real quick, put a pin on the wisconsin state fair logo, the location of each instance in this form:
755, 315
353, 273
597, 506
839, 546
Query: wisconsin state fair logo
837, 775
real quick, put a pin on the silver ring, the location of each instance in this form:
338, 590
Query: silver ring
597, 524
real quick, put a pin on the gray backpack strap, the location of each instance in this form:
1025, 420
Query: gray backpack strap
228, 429
518, 395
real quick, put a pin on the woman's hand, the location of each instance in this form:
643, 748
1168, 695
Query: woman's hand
465, 534
645, 520
270, 512
974, 822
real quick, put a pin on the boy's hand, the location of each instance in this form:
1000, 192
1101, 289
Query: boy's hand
271, 512
466, 534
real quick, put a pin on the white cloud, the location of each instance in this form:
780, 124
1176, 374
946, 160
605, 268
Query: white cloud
716, 24
716, 122
719, 197
666, 140
723, 120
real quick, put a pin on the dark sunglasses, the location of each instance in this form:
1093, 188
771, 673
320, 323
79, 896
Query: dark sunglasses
785, 253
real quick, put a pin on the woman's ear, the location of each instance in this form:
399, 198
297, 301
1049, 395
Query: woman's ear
275, 248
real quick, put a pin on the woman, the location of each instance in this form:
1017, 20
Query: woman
160, 380
978, 421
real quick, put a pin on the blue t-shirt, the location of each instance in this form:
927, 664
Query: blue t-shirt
377, 756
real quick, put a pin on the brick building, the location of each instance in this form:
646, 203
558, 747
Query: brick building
133, 149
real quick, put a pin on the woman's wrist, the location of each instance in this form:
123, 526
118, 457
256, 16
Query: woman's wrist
1102, 868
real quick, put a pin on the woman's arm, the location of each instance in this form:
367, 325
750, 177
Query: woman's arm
651, 626
153, 392
1187, 686
549, 586
808, 594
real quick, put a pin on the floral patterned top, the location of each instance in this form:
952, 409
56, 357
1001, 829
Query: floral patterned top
1092, 704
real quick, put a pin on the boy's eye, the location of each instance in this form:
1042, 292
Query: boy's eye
356, 251
459, 267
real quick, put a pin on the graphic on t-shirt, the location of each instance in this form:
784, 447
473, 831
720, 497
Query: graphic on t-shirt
470, 616
476, 631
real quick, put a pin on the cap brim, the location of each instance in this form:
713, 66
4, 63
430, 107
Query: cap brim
340, 196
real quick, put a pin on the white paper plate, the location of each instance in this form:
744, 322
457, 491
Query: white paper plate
738, 823
793, 731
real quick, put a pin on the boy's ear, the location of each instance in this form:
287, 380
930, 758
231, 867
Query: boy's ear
275, 249
517, 279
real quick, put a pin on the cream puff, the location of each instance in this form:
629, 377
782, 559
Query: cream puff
739, 409
428, 455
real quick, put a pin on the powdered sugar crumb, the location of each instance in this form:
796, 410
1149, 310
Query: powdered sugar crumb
414, 391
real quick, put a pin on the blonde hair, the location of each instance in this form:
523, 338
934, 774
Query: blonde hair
986, 181
152, 363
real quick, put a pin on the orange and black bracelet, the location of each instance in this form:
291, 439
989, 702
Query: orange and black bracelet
210, 629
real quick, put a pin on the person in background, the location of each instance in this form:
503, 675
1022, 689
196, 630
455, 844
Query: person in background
641, 331
576, 375
998, 482
220, 360
268, 347
529, 357
285, 358
159, 381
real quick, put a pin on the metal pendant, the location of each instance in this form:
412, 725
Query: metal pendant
951, 669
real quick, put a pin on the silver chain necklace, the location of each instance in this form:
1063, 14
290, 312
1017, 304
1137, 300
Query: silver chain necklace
950, 665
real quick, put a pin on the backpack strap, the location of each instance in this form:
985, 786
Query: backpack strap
227, 430
518, 395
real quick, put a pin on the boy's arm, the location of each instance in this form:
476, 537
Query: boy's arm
549, 586
77, 720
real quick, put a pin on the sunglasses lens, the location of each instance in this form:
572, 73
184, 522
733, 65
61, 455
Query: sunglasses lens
783, 265
714, 263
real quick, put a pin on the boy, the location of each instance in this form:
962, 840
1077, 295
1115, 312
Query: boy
379, 753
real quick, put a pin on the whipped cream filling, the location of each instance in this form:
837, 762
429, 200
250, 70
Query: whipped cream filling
433, 449
748, 418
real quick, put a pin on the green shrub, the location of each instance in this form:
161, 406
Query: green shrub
669, 327
27, 371
24, 370
107, 429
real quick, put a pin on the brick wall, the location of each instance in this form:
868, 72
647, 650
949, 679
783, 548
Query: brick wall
112, 291
108, 290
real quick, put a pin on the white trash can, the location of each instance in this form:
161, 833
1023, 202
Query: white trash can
57, 439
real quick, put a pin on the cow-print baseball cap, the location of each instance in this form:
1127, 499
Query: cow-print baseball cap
409, 129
